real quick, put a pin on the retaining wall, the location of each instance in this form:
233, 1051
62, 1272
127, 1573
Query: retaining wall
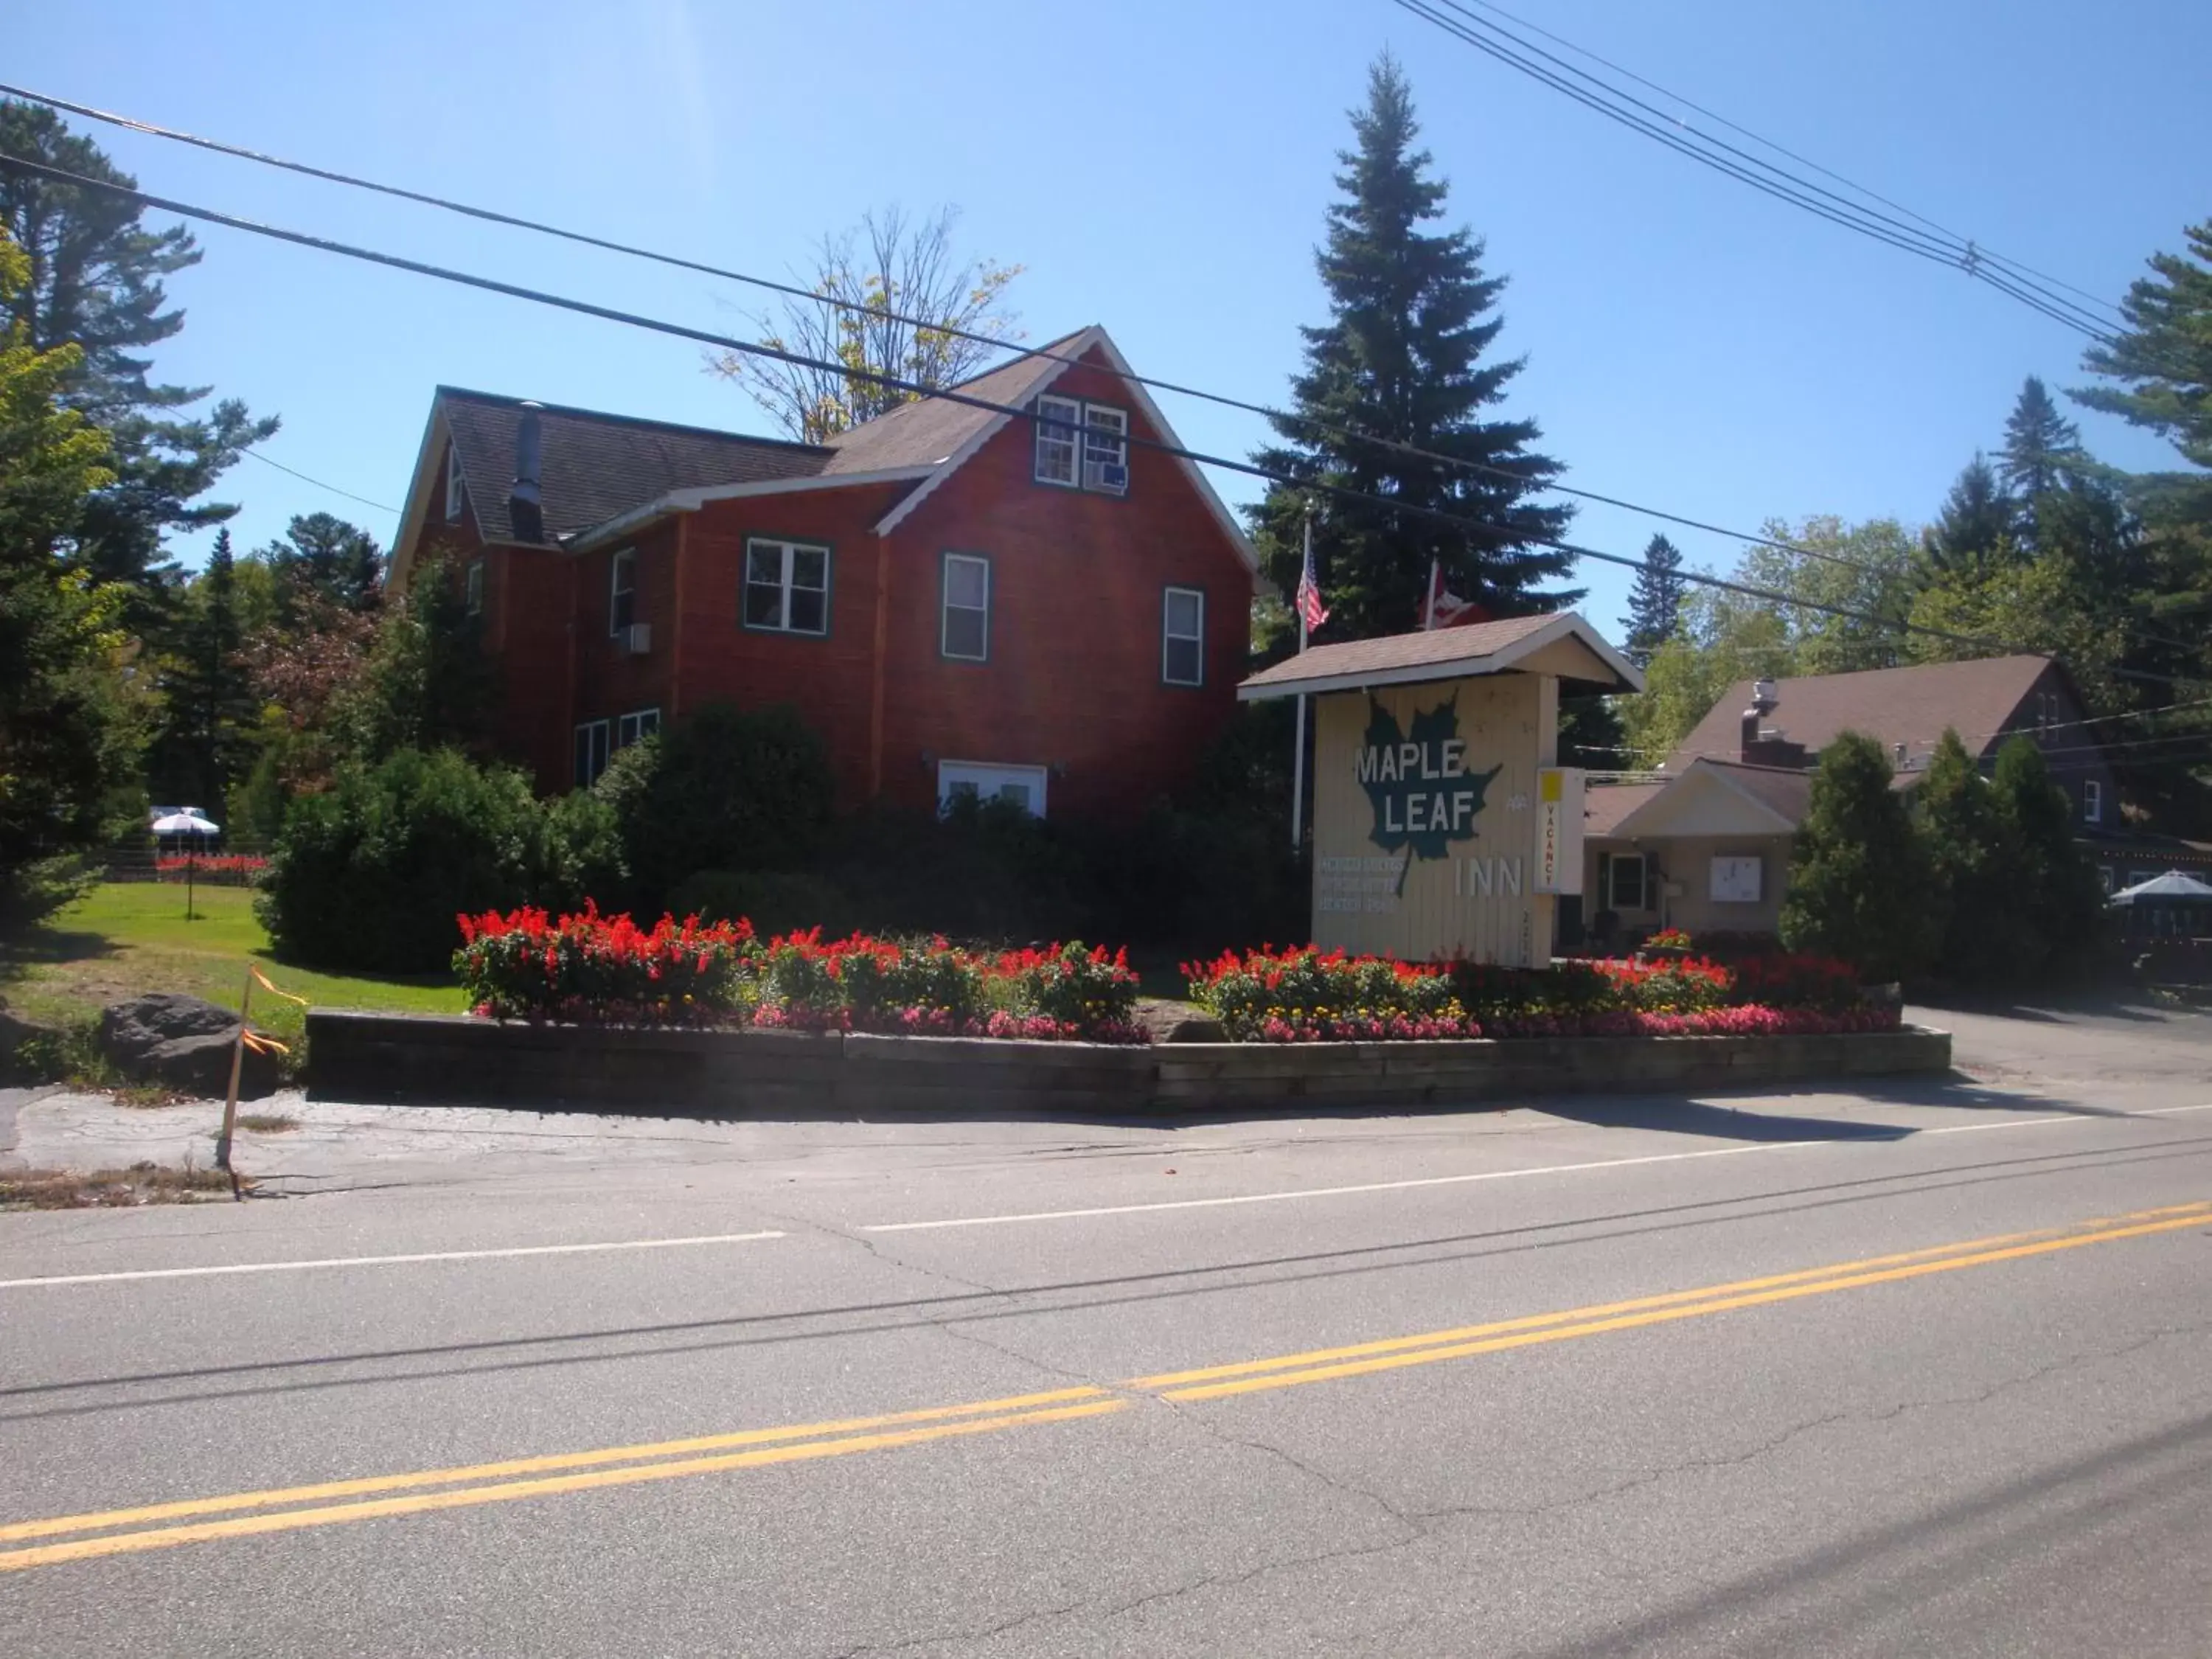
442, 1060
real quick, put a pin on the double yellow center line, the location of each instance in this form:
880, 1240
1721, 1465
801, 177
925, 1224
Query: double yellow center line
242, 1515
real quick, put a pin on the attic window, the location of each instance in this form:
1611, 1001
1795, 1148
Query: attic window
453, 493
1057, 420
1106, 449
1081, 446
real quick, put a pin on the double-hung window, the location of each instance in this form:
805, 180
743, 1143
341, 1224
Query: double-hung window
1627, 888
964, 630
1058, 432
1182, 637
1106, 449
622, 592
591, 752
453, 492
1081, 446
787, 586
634, 726
472, 587
2093, 801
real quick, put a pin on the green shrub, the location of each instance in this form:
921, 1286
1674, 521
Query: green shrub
1861, 884
775, 902
725, 788
369, 875
583, 855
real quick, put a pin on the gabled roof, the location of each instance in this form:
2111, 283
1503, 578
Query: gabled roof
1912, 706
596, 465
1604, 805
603, 475
1444, 653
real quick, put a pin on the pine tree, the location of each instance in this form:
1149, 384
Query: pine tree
2163, 361
203, 746
2042, 449
323, 555
1655, 603
1988, 936
2057, 889
96, 283
1406, 357
1976, 523
1861, 885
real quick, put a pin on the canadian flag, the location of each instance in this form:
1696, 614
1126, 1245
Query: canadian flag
1445, 609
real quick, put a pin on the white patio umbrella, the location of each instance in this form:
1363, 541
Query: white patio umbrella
190, 823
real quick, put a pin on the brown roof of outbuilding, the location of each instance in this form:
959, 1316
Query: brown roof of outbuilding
595, 466
1910, 705
1395, 651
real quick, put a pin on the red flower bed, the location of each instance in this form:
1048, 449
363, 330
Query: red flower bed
592, 968
231, 868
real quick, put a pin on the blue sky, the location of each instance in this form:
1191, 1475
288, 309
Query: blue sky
1163, 168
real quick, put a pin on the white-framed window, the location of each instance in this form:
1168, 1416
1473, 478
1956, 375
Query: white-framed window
472, 587
1024, 785
591, 752
2106, 879
2136, 877
1182, 637
1627, 882
1058, 420
638, 723
964, 628
2093, 801
621, 591
1106, 449
787, 586
454, 494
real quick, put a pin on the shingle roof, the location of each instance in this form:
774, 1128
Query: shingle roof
1782, 790
1397, 650
595, 465
1895, 705
930, 429
1604, 805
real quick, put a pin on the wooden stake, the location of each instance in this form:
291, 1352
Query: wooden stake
237, 1064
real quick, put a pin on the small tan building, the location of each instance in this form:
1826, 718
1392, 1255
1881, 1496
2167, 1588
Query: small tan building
1442, 825
1708, 851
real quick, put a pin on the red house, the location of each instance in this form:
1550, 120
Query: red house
1030, 604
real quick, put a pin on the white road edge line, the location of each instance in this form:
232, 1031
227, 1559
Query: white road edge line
1503, 1174
383, 1260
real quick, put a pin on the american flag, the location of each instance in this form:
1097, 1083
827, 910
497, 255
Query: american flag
1311, 610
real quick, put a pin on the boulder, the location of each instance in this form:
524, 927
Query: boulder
1179, 1021
183, 1043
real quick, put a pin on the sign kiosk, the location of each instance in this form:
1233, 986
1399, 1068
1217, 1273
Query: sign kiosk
1443, 824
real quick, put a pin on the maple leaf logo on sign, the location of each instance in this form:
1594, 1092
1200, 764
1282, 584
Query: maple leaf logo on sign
1424, 799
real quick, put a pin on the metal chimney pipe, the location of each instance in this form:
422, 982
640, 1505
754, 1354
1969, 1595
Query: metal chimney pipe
524, 508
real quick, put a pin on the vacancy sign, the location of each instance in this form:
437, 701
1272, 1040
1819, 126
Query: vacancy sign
1559, 829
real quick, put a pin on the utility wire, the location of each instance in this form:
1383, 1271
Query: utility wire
1667, 130
265, 460
884, 314
1989, 254
1494, 533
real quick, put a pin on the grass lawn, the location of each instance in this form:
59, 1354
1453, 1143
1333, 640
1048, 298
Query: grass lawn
124, 938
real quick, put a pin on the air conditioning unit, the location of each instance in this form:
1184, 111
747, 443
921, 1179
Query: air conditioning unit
1106, 475
635, 641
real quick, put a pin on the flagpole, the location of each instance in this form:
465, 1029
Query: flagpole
1298, 752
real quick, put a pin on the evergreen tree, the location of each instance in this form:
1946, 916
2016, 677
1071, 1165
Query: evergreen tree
2057, 888
1406, 357
323, 555
2042, 449
205, 743
1989, 937
96, 283
1975, 526
1655, 603
428, 681
2163, 362
1861, 885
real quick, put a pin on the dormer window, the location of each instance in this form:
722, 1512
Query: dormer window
454, 494
1081, 446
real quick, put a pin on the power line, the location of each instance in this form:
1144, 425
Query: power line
1778, 182
1989, 254
491, 216
953, 395
318, 483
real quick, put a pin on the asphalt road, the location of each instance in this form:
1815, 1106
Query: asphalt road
1922, 1371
